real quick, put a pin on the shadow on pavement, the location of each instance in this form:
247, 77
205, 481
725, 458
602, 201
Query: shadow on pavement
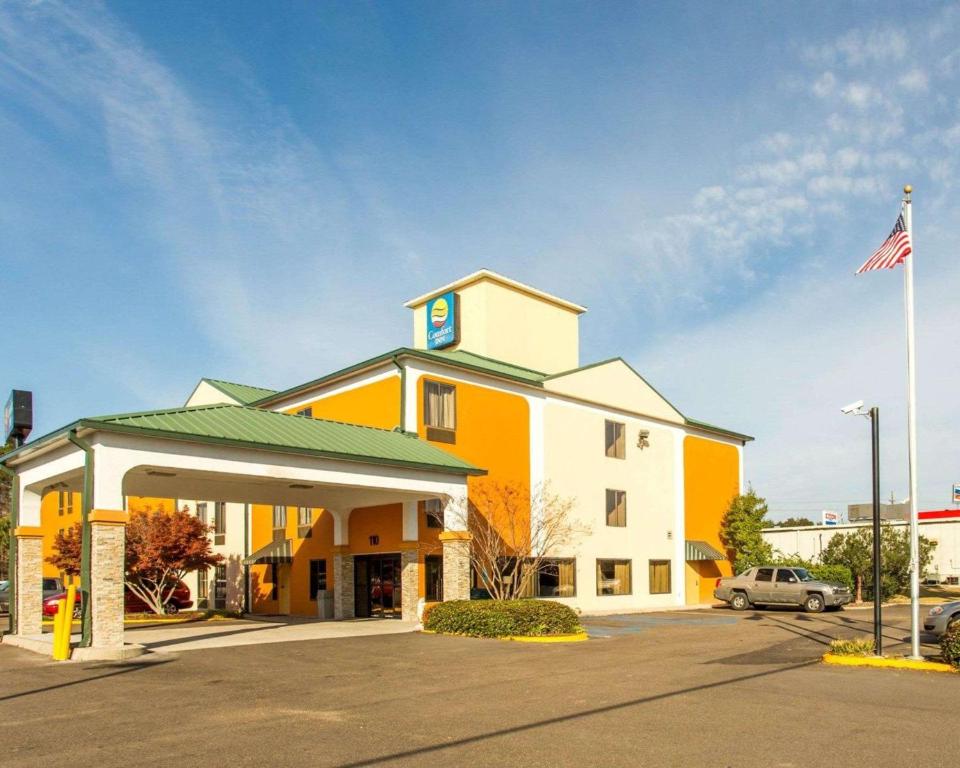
125, 669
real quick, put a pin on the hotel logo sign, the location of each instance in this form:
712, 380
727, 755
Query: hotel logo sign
443, 320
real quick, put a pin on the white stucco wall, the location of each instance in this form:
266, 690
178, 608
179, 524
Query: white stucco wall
232, 551
576, 466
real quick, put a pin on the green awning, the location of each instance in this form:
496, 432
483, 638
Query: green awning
700, 550
275, 552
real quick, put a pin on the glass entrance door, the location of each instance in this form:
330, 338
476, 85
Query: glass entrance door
377, 586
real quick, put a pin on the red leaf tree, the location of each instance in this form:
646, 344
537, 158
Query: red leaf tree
161, 548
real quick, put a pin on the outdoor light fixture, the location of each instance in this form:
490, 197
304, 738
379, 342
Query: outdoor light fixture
158, 473
300, 486
643, 439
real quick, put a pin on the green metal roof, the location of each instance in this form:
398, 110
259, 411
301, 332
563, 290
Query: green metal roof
257, 428
464, 359
700, 550
242, 393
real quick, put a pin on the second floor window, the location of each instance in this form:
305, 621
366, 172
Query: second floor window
434, 510
308, 412
616, 508
202, 511
304, 522
616, 440
61, 502
440, 411
219, 522
279, 522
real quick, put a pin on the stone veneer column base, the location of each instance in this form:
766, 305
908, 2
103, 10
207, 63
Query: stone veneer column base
456, 565
107, 545
29, 581
409, 583
343, 602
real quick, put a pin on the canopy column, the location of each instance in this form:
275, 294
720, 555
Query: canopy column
28, 581
107, 546
343, 597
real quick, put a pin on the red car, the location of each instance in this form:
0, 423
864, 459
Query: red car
178, 601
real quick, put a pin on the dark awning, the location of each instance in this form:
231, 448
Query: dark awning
274, 552
700, 550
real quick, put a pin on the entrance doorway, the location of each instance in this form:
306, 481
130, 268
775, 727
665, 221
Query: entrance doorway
377, 586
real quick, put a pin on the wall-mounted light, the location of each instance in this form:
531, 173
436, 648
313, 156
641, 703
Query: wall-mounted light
643, 439
158, 473
300, 486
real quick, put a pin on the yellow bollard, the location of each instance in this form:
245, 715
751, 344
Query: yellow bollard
67, 626
58, 625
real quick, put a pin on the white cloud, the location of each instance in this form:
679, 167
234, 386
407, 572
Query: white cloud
914, 81
824, 85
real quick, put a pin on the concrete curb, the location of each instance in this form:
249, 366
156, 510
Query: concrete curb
885, 663
45, 647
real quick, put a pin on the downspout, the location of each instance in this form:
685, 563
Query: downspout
403, 393
86, 535
246, 554
12, 549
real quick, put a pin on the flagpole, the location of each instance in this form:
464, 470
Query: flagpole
912, 431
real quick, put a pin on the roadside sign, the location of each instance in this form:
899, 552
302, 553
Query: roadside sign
829, 518
956, 493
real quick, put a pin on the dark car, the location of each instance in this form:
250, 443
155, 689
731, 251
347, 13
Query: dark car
178, 601
50, 586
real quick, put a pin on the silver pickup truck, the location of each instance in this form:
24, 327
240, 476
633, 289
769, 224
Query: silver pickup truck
771, 585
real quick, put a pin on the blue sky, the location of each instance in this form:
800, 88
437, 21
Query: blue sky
251, 191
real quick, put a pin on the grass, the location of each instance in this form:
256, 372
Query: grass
857, 646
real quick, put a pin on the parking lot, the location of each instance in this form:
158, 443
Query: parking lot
687, 688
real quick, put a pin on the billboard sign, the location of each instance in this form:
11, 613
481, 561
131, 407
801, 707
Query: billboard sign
829, 518
443, 321
956, 493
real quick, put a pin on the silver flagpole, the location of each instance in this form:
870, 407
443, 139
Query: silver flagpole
912, 432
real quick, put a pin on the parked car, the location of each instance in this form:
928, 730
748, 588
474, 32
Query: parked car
179, 601
770, 585
941, 617
49, 586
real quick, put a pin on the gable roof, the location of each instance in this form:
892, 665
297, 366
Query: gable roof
242, 393
495, 277
257, 428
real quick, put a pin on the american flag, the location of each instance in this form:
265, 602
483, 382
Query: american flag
894, 250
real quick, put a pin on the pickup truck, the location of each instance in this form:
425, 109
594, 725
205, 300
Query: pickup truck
772, 585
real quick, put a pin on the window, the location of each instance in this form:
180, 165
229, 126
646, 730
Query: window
613, 577
318, 577
764, 574
279, 522
557, 578
785, 576
203, 588
50, 584
220, 587
273, 572
69, 503
61, 503
308, 412
304, 522
440, 411
616, 440
202, 511
434, 510
659, 577
433, 570
219, 522
616, 508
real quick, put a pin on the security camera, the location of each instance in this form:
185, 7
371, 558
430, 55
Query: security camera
853, 407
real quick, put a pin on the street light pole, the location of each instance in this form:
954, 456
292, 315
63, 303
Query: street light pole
877, 583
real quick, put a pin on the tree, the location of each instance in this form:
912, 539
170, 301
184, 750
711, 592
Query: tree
794, 522
741, 529
513, 532
855, 550
161, 549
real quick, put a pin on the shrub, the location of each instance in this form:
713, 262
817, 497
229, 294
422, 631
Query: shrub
502, 618
857, 646
950, 645
837, 574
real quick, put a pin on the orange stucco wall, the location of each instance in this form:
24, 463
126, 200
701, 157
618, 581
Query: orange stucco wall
52, 521
373, 405
711, 480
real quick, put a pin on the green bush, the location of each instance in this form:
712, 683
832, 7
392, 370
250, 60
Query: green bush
836, 574
857, 646
502, 618
950, 645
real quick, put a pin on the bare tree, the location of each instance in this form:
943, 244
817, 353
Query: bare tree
513, 532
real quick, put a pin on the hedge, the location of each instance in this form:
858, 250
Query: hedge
502, 618
837, 574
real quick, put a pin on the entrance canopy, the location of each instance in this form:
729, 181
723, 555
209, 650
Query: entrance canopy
234, 453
